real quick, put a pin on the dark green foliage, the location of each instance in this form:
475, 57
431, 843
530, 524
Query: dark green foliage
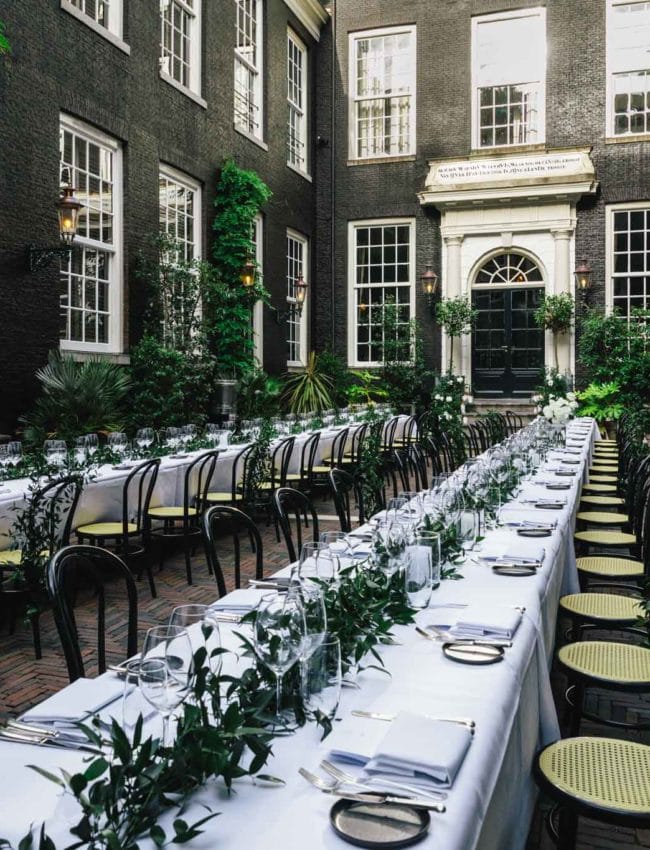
308, 389
341, 378
258, 395
370, 469
456, 317
404, 373
170, 387
5, 47
259, 465
77, 398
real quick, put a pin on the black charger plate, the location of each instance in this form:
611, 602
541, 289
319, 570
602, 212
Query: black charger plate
514, 570
534, 532
559, 486
385, 825
473, 654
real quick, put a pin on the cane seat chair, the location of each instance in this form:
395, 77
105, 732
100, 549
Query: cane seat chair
89, 566
352, 454
51, 511
408, 434
279, 465
235, 493
130, 537
607, 665
600, 611
336, 452
181, 522
293, 509
603, 502
600, 778
222, 521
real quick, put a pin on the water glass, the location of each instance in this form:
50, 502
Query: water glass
418, 575
144, 438
316, 561
15, 452
321, 679
92, 443
134, 704
117, 442
468, 529
203, 630
161, 690
313, 605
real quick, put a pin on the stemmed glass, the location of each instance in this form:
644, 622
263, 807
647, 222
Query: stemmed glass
5, 461
279, 636
144, 438
117, 442
166, 669
15, 452
92, 443
318, 561
55, 452
312, 600
188, 433
172, 438
205, 632
80, 450
337, 542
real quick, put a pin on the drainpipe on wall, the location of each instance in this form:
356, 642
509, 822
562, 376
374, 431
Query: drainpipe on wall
332, 11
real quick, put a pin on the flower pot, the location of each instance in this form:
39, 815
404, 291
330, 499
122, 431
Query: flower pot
224, 400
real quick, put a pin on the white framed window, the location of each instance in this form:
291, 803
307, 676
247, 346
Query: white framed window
297, 266
628, 257
179, 198
509, 78
382, 92
105, 17
248, 68
628, 68
381, 272
297, 99
91, 277
180, 43
257, 315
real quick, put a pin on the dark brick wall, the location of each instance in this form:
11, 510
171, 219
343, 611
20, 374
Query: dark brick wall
575, 116
60, 64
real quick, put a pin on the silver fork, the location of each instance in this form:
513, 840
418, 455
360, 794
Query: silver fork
399, 787
439, 635
373, 798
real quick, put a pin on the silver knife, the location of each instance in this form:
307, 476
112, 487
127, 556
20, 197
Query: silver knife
377, 715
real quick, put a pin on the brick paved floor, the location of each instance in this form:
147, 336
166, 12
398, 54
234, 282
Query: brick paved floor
24, 681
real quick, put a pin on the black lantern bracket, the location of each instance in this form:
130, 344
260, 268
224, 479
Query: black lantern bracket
39, 258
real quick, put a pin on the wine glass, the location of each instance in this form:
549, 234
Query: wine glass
15, 452
92, 443
313, 605
337, 542
5, 461
117, 442
317, 561
279, 636
188, 433
55, 452
203, 629
166, 669
144, 438
172, 438
80, 450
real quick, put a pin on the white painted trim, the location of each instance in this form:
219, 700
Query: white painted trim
194, 186
251, 138
609, 76
511, 249
351, 280
610, 209
184, 90
311, 15
353, 37
306, 103
258, 68
538, 11
304, 323
258, 307
115, 30
115, 345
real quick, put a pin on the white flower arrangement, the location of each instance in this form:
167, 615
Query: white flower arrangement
560, 409
460, 379
448, 399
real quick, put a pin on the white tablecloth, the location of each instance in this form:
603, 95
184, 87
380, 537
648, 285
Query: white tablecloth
491, 802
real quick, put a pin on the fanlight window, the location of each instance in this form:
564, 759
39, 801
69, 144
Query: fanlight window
507, 269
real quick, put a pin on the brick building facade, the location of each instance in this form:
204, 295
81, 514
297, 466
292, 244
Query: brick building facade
484, 138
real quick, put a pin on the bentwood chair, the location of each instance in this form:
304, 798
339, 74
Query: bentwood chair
89, 567
235, 493
51, 513
223, 521
130, 537
305, 479
182, 522
600, 778
293, 510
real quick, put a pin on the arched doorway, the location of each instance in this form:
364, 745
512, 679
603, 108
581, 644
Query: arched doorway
507, 345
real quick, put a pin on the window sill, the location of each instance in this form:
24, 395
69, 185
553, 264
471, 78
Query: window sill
114, 39
627, 140
381, 160
513, 149
184, 90
251, 138
304, 174
90, 352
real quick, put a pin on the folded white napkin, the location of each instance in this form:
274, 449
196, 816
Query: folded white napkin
76, 702
421, 750
515, 552
492, 622
239, 601
528, 518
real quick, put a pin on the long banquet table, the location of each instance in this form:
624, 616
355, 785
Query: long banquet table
490, 804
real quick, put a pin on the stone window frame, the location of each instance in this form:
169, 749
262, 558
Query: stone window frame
297, 327
253, 99
354, 99
354, 287
633, 68
115, 278
114, 32
540, 133
297, 104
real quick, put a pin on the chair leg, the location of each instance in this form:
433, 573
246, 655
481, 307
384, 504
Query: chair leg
575, 710
36, 633
188, 560
567, 829
152, 586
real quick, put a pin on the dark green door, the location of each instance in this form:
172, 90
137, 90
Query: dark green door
507, 345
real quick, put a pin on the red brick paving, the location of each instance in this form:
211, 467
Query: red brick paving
25, 681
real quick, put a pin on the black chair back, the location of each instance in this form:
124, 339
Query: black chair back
293, 506
222, 520
136, 495
53, 508
71, 567
198, 476
342, 486
280, 459
337, 449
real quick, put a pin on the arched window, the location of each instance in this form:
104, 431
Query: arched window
509, 269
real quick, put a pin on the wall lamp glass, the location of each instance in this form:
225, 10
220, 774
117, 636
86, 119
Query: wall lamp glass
68, 215
583, 277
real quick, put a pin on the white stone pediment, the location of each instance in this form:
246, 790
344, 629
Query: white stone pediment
311, 14
540, 176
